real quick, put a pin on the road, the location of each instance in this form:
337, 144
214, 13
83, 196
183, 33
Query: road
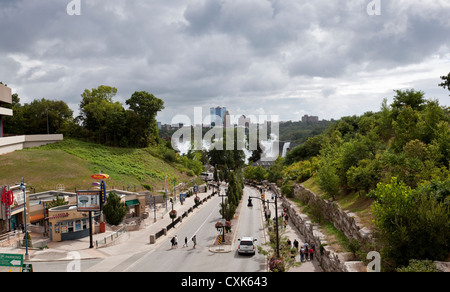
200, 259
160, 257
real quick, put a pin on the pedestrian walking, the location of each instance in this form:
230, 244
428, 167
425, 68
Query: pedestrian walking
306, 250
302, 253
296, 244
176, 241
172, 241
194, 240
185, 242
311, 253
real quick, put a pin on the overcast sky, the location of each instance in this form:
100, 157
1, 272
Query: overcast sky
275, 57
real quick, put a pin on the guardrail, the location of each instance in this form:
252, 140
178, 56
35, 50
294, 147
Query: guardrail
111, 239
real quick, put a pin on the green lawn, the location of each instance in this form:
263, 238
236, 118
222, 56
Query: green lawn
72, 162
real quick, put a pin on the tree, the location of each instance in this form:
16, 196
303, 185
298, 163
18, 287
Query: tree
114, 209
405, 127
409, 97
411, 224
328, 179
146, 106
446, 81
103, 92
41, 116
56, 202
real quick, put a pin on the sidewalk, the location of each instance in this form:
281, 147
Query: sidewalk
292, 233
136, 241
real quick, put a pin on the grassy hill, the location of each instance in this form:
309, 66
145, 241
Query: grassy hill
72, 162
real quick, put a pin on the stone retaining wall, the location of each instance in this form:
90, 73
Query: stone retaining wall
330, 260
345, 221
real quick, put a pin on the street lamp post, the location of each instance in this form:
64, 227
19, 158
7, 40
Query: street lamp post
23, 188
223, 212
276, 217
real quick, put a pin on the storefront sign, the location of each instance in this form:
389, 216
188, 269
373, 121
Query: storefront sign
88, 201
99, 176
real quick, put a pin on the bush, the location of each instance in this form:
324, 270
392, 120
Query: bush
419, 266
26, 238
276, 264
287, 189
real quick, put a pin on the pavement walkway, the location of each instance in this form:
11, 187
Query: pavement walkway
292, 233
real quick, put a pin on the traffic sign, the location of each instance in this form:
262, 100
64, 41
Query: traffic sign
11, 260
27, 268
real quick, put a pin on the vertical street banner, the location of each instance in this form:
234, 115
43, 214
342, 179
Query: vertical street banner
102, 193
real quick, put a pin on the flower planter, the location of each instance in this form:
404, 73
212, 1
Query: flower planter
173, 214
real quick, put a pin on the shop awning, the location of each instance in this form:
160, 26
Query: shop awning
36, 217
132, 203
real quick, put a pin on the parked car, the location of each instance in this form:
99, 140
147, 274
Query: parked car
247, 245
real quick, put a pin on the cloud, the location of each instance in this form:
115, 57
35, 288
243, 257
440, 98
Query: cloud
326, 58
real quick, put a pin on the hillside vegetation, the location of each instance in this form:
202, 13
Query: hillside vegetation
72, 162
390, 166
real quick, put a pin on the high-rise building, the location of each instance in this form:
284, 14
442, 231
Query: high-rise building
243, 121
217, 115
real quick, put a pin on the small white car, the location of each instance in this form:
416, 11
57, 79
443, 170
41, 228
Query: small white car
247, 245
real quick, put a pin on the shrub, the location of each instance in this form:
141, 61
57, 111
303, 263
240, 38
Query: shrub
419, 266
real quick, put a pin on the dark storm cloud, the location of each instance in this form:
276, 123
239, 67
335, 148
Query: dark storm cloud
262, 55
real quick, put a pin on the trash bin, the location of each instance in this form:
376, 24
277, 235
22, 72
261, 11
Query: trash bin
102, 227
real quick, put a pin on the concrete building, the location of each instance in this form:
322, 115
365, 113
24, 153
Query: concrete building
5, 98
310, 119
13, 143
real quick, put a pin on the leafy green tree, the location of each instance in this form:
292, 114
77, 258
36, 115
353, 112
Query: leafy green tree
328, 180
405, 127
114, 209
410, 97
102, 92
365, 175
442, 141
146, 106
38, 117
446, 81
412, 225
56, 202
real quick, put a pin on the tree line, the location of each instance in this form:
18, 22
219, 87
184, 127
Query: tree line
397, 158
101, 119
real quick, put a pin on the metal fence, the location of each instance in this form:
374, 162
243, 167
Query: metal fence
112, 238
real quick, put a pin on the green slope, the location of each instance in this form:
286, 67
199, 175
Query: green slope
72, 162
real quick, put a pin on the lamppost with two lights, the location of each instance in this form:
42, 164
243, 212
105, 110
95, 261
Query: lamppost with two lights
250, 205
